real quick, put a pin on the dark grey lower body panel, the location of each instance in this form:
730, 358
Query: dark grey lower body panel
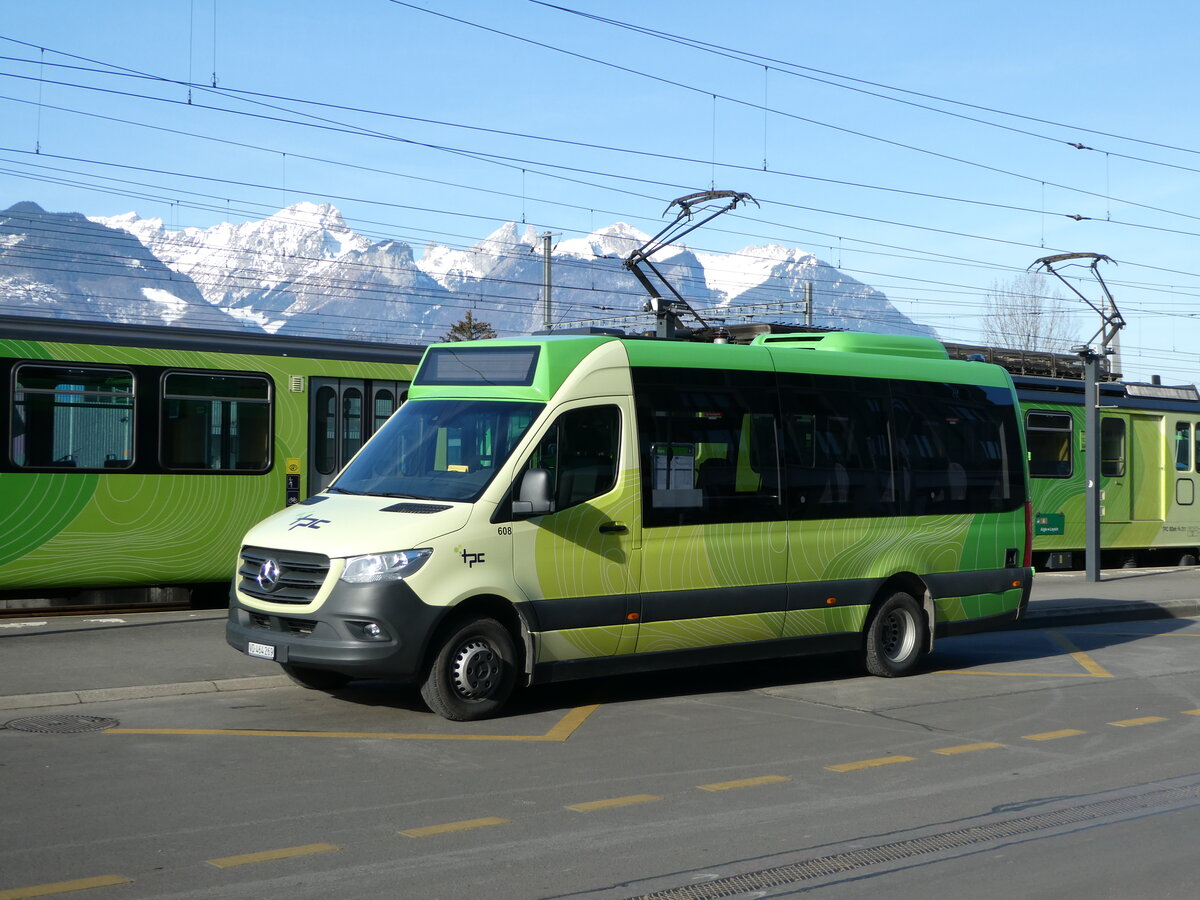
333, 638
633, 663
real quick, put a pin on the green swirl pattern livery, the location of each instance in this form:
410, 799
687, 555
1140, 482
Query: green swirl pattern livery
565, 506
1150, 472
153, 512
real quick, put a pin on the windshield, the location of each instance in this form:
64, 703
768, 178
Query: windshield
438, 449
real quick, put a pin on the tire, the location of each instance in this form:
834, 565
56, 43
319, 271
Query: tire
316, 679
473, 670
894, 637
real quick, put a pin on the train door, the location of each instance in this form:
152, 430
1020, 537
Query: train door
1116, 474
1146, 494
343, 413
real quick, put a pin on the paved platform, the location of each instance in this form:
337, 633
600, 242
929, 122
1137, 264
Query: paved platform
57, 661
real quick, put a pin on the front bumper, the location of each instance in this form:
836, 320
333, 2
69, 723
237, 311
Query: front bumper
333, 637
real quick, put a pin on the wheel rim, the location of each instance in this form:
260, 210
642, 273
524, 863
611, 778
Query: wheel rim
475, 670
898, 635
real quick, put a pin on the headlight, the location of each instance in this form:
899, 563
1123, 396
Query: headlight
384, 566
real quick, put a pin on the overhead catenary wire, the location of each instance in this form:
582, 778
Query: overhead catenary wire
813, 209
903, 226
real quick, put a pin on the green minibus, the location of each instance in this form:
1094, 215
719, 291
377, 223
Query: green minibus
567, 506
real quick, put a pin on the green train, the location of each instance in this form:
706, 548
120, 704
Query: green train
137, 456
1150, 462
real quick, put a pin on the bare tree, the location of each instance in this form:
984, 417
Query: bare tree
469, 329
1027, 313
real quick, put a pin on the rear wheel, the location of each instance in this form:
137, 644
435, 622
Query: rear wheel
894, 637
316, 679
472, 672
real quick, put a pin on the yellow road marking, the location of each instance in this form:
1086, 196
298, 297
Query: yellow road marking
1144, 720
567, 724
1053, 735
1019, 674
447, 828
1092, 669
870, 763
1191, 712
228, 862
1183, 634
743, 783
593, 805
63, 887
968, 748
1079, 656
558, 734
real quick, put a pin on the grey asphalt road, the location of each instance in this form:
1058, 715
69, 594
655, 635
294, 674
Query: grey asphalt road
65, 660
1041, 762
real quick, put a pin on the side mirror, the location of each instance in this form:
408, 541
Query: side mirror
534, 496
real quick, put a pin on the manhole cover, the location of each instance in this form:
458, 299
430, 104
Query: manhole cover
61, 724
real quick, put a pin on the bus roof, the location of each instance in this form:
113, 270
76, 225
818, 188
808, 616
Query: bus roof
534, 367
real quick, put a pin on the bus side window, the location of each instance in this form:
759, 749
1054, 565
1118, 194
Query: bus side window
958, 450
580, 451
836, 441
709, 447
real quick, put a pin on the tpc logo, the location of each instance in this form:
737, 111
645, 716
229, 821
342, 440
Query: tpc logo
308, 522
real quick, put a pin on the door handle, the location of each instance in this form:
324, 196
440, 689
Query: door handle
613, 528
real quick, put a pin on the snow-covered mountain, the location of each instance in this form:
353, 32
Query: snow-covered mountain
769, 282
304, 271
66, 266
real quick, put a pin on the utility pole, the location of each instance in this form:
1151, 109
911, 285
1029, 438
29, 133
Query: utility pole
547, 317
808, 303
1110, 325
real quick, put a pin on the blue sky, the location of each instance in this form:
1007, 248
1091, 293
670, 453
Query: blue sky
931, 208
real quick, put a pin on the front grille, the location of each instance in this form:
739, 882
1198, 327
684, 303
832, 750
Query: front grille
300, 575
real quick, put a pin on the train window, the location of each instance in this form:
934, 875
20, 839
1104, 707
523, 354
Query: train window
1049, 437
69, 417
216, 423
385, 405
1183, 446
352, 422
1112, 447
324, 431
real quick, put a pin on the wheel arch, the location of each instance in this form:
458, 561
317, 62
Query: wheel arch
914, 586
484, 606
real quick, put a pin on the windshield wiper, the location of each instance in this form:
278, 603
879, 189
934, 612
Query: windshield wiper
396, 496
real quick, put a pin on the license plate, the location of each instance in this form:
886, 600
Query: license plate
262, 651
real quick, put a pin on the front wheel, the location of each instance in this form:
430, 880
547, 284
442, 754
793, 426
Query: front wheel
472, 672
894, 637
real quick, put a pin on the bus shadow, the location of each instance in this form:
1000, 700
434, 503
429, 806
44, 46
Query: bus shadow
1049, 649
1041, 644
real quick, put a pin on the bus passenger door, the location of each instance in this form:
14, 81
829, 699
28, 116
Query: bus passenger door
714, 557
342, 414
579, 564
